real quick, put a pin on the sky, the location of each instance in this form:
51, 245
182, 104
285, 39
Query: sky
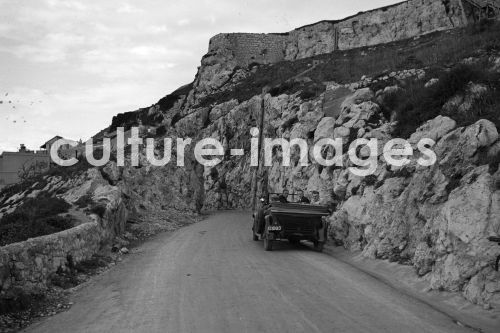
68, 66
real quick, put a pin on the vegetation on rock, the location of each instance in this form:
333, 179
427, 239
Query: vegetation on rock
35, 217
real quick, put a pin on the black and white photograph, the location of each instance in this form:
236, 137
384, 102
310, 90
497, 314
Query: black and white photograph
249, 166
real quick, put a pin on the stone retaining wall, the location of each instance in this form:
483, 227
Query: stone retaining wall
29, 265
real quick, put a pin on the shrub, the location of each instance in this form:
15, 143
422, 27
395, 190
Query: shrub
283, 88
311, 91
401, 173
486, 106
98, 209
92, 264
44, 206
494, 164
84, 201
214, 174
59, 222
288, 124
454, 182
370, 180
35, 217
481, 26
417, 104
175, 119
161, 131
73, 171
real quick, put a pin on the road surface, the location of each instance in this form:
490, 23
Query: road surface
211, 277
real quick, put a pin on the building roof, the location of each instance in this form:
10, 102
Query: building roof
57, 137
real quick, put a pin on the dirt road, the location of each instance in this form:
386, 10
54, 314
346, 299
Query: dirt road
211, 277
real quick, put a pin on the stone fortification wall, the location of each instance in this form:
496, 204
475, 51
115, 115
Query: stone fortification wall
228, 52
248, 48
403, 20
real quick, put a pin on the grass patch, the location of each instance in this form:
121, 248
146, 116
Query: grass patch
84, 201
34, 218
168, 101
98, 209
130, 119
161, 131
417, 104
143, 116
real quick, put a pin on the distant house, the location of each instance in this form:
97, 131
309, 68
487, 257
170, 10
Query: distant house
66, 151
14, 166
49, 143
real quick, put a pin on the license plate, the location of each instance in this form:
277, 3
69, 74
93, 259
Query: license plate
274, 228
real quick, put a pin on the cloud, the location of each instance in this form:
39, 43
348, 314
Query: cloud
183, 22
153, 29
147, 51
53, 47
74, 5
129, 9
127, 63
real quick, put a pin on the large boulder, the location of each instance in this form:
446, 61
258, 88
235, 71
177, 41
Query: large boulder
457, 150
308, 122
433, 129
324, 129
357, 115
358, 97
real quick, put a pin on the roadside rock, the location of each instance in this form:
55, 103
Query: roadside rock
457, 149
434, 129
325, 129
358, 97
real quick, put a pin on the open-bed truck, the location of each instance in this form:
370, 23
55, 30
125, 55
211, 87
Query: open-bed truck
290, 221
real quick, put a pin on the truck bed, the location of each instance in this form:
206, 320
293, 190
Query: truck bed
295, 209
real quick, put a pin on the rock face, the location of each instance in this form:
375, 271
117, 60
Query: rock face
435, 218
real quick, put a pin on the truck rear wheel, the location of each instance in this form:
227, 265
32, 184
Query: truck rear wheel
259, 222
318, 246
268, 244
255, 237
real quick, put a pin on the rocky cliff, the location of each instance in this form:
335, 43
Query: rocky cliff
436, 219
